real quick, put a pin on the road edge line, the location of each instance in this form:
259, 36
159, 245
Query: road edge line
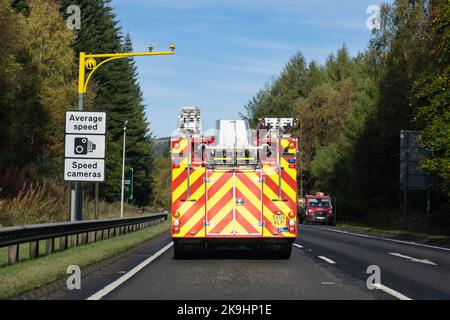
390, 291
110, 287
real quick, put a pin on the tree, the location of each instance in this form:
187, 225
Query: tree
38, 82
432, 96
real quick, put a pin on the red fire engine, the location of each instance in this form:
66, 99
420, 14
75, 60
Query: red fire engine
236, 187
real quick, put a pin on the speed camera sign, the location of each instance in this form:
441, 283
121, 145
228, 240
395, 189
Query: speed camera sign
85, 146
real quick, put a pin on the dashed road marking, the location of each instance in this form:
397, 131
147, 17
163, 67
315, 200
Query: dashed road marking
103, 292
297, 245
424, 261
392, 292
327, 260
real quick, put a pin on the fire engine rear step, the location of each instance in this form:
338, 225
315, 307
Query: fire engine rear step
262, 248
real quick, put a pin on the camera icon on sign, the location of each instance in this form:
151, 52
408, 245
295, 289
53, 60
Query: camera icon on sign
83, 146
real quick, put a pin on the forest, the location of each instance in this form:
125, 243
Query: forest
351, 110
38, 84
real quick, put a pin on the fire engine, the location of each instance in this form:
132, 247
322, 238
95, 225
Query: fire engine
236, 187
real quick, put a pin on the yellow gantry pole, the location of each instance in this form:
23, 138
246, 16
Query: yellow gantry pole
89, 62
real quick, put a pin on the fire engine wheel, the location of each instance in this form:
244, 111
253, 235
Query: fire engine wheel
277, 252
284, 252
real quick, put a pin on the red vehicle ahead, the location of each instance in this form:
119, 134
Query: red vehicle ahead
318, 208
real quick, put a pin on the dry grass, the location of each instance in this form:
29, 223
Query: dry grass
49, 202
35, 203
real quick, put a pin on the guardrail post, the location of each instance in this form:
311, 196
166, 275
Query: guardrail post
49, 246
63, 243
74, 240
34, 250
13, 253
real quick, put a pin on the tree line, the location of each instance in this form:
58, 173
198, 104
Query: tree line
38, 83
350, 111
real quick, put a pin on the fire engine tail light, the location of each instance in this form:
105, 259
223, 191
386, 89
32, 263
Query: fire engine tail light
176, 166
176, 230
176, 145
291, 215
176, 215
292, 145
176, 223
211, 139
292, 222
291, 230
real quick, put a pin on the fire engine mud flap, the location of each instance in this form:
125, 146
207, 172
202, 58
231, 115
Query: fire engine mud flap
188, 248
276, 248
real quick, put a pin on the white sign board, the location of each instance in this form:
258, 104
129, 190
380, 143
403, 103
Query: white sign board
85, 122
86, 170
85, 146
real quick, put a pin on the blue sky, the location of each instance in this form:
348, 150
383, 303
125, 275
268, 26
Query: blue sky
228, 49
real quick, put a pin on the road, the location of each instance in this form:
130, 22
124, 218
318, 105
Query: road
325, 264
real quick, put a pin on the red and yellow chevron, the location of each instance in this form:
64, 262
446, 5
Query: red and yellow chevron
235, 202
188, 210
233, 205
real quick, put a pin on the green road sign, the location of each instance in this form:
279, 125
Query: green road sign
128, 184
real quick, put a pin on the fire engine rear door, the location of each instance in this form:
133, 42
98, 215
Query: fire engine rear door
248, 203
233, 203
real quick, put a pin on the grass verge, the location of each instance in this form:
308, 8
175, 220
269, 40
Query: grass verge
31, 274
420, 237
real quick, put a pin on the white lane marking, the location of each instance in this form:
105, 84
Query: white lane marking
327, 283
390, 291
386, 239
297, 245
327, 260
424, 261
103, 292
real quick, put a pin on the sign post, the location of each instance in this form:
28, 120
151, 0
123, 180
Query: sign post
129, 184
85, 151
411, 176
87, 66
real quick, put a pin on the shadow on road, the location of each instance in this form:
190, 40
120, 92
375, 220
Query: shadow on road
234, 253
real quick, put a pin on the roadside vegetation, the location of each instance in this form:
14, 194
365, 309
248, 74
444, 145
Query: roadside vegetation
38, 83
30, 274
351, 110
48, 201
398, 233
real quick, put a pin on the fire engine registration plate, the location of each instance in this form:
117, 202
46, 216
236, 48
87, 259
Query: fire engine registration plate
279, 220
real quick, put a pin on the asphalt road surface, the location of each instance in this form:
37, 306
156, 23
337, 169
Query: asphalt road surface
325, 264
